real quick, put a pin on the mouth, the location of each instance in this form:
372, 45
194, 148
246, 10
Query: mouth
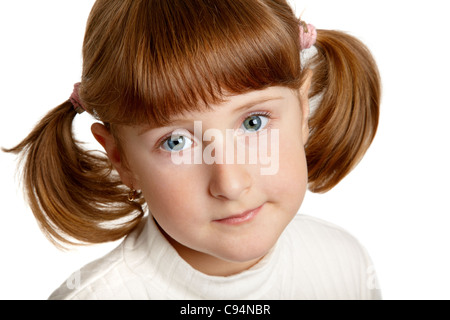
241, 217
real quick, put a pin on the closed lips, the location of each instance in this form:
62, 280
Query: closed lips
240, 218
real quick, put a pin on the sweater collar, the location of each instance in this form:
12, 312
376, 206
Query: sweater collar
148, 253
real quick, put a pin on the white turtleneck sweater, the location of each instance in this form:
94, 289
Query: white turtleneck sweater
312, 259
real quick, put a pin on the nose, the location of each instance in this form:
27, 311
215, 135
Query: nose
229, 181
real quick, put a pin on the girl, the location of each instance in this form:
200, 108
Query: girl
203, 110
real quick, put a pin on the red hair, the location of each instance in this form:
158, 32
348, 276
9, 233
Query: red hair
146, 60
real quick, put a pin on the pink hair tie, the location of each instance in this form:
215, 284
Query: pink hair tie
308, 35
75, 98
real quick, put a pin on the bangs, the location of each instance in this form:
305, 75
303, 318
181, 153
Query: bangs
163, 58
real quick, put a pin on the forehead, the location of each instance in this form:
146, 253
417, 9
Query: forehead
229, 105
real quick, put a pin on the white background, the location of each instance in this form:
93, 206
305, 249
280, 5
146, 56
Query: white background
396, 202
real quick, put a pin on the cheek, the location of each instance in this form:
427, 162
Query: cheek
290, 183
162, 189
168, 189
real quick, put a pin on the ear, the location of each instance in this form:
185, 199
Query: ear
106, 139
304, 103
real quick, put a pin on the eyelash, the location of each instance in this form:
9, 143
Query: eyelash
266, 114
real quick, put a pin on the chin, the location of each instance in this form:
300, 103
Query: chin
247, 251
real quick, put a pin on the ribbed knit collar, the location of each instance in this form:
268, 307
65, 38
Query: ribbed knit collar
148, 253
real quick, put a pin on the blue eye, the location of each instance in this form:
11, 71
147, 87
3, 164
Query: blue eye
176, 143
254, 123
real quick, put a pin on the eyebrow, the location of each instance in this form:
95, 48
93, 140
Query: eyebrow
177, 121
253, 103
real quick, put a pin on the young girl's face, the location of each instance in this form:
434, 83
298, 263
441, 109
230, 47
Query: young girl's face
223, 216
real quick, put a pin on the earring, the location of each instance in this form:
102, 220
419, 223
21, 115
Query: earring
132, 194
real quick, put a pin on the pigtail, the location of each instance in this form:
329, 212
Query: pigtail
72, 192
344, 124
